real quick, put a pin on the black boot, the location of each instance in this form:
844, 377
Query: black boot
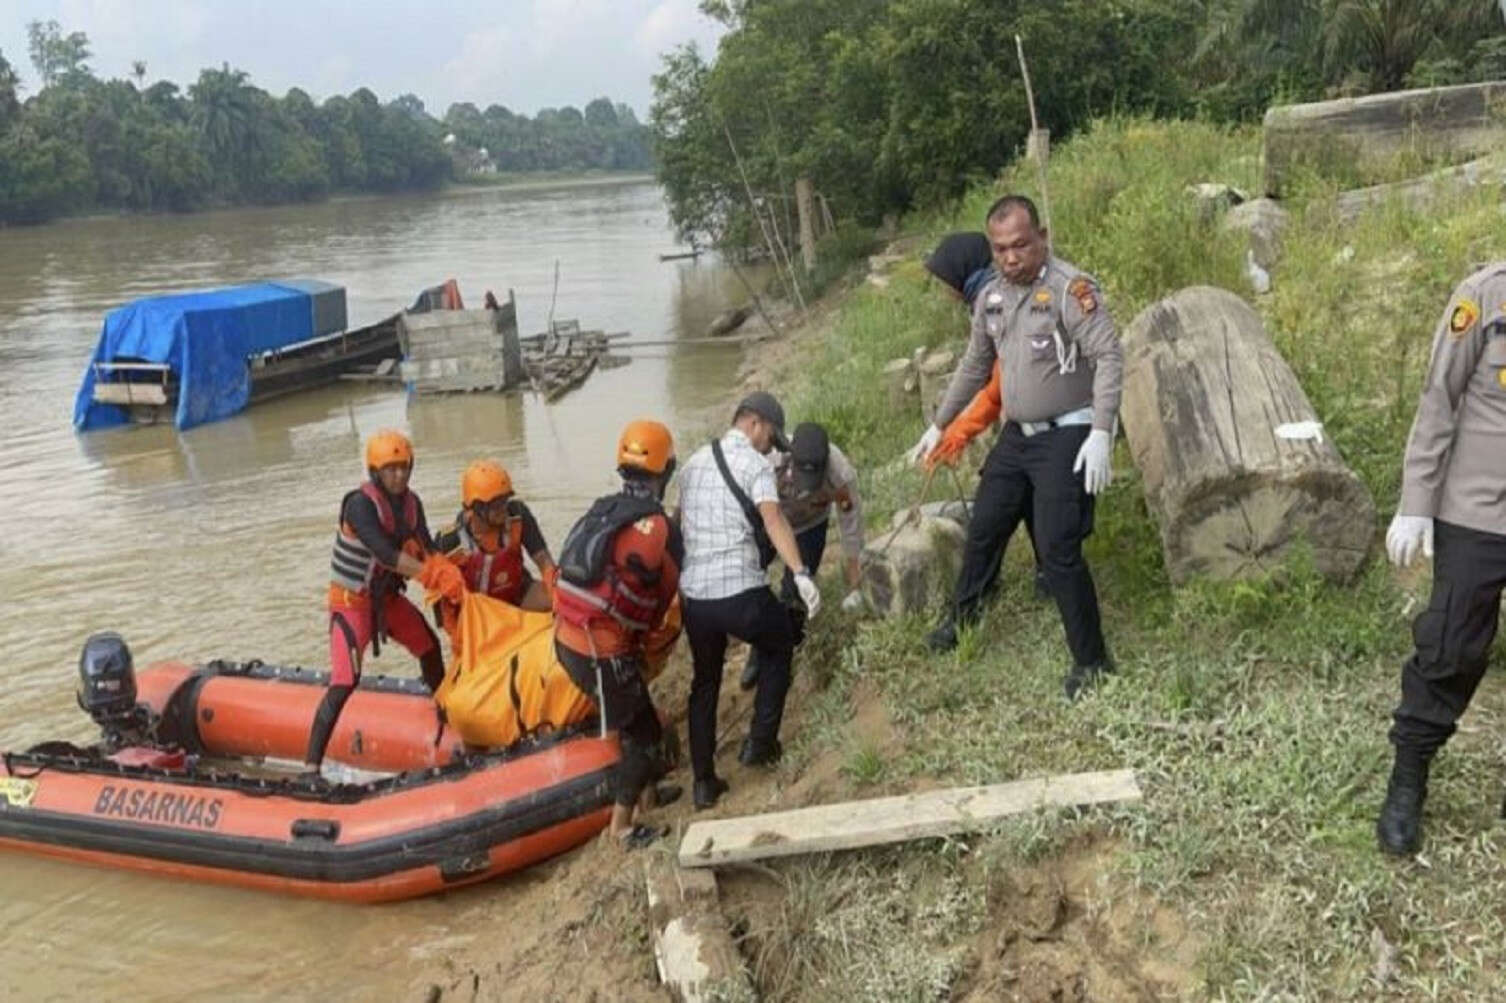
705, 792
760, 754
749, 678
944, 637
1399, 827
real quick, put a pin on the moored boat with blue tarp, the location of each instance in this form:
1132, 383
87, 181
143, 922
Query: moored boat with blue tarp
201, 356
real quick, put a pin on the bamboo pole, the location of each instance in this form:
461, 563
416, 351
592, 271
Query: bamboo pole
779, 168
1038, 144
753, 205
805, 208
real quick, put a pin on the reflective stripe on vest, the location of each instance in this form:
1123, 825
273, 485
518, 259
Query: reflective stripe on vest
352, 564
496, 573
597, 606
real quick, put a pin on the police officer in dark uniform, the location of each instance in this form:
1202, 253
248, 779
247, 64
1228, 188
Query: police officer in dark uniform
1061, 368
1453, 509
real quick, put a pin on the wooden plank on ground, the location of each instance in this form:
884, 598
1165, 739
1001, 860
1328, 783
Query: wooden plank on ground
693, 947
855, 824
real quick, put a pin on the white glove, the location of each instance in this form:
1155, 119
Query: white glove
1409, 534
854, 601
1093, 461
927, 443
809, 594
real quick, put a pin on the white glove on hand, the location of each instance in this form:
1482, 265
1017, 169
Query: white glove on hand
1093, 461
1409, 534
809, 594
923, 448
854, 601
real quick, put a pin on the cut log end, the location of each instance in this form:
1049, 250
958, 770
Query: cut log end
1247, 527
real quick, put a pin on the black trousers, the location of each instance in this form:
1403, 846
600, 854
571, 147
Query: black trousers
760, 619
623, 703
812, 546
1034, 473
1452, 636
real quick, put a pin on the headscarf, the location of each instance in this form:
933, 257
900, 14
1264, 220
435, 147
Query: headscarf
976, 281
958, 258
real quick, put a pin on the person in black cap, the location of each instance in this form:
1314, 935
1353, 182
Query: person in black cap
813, 477
733, 527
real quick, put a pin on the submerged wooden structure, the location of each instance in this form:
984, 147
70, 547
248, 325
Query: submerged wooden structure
560, 359
461, 351
449, 351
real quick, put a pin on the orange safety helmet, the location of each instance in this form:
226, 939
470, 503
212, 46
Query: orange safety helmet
647, 446
386, 447
484, 481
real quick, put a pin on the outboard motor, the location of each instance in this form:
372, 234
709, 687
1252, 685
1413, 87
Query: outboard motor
107, 684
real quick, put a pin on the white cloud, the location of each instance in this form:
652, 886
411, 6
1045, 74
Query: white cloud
525, 54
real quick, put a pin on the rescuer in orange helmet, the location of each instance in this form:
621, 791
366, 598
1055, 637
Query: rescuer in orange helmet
492, 531
383, 540
619, 576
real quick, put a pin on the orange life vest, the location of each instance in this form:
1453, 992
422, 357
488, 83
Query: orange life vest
497, 573
591, 588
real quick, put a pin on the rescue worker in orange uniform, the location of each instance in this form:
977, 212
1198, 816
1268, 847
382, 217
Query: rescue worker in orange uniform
383, 539
619, 575
490, 536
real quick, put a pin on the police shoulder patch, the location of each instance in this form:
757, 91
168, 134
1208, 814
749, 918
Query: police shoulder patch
1082, 291
1464, 317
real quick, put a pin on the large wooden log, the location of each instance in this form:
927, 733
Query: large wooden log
1236, 469
1417, 193
1456, 122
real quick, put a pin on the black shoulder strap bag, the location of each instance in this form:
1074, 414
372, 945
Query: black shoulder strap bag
766, 551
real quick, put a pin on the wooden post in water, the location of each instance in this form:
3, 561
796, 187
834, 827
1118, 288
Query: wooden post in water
512, 348
805, 205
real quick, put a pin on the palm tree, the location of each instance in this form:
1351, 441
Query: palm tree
1275, 40
1386, 38
223, 111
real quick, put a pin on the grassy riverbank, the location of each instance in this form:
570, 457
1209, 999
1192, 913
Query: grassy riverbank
1254, 713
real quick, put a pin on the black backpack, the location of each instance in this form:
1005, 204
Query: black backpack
583, 558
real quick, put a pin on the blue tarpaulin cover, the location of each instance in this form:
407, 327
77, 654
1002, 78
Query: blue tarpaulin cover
205, 337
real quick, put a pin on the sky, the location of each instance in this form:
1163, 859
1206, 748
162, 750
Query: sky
523, 54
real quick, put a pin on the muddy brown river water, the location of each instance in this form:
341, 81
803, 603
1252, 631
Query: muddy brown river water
215, 542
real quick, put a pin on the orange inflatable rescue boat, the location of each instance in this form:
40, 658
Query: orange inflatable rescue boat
146, 798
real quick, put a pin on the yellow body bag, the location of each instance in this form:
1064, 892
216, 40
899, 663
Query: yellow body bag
504, 681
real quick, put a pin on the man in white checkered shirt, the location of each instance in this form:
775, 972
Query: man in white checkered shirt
725, 586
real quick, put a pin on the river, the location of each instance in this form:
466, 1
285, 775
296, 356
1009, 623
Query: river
215, 542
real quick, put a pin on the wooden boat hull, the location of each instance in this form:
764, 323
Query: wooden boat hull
150, 392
